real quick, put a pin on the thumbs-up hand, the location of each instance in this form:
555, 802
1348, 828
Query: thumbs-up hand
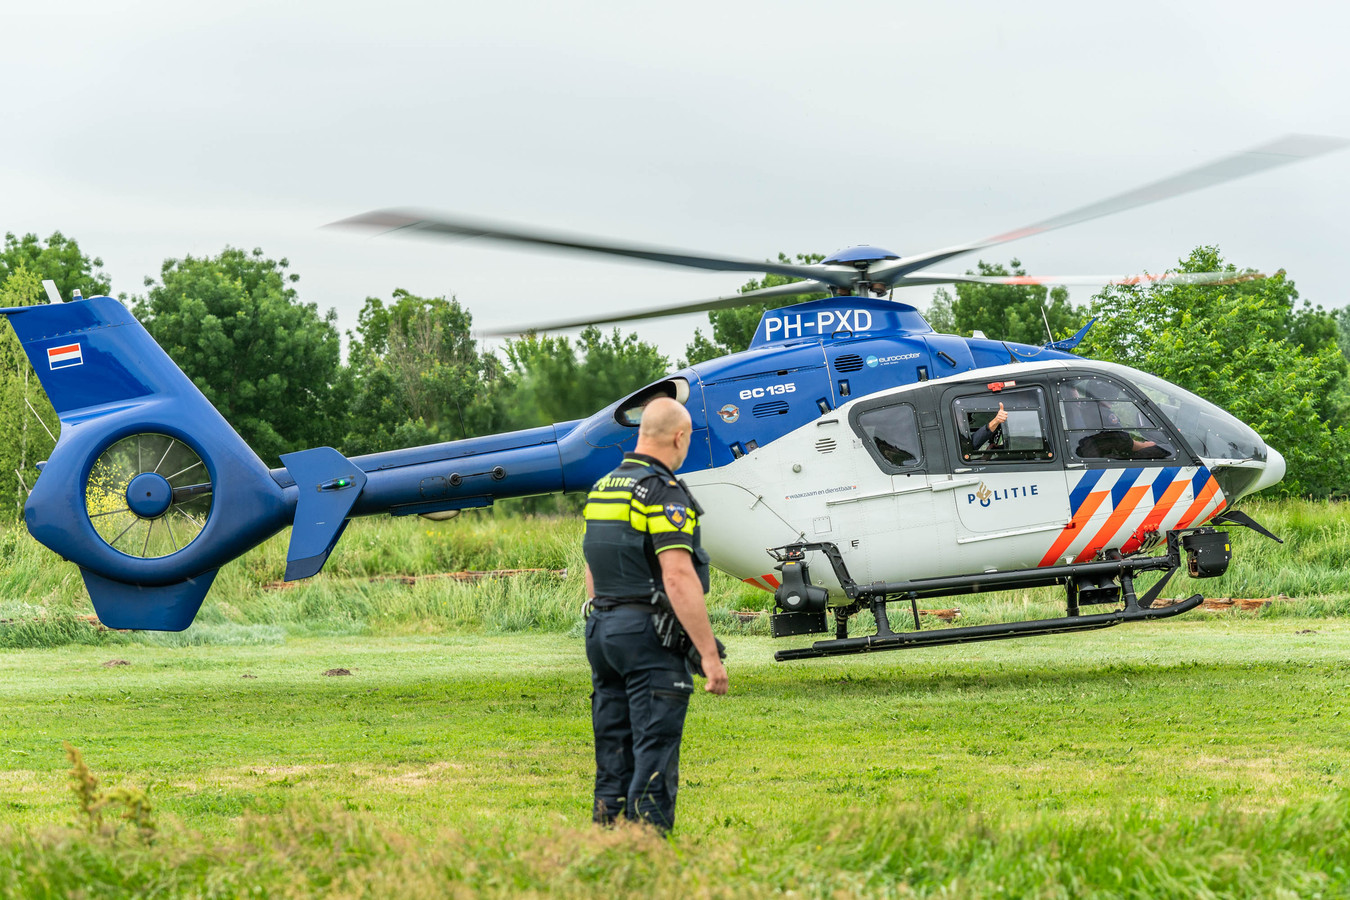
999, 418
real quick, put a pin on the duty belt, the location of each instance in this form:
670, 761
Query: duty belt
607, 604
616, 605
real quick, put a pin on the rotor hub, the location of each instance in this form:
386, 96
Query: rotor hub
860, 257
149, 495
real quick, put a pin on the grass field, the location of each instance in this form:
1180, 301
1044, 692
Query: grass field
1208, 756
1015, 758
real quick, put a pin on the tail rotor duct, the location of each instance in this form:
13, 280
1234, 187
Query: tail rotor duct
148, 495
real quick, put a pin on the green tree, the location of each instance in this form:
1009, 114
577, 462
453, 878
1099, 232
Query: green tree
60, 260
27, 420
940, 314
420, 377
1342, 317
270, 363
1238, 346
1005, 312
733, 329
559, 381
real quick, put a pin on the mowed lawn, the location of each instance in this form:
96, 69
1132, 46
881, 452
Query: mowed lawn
472, 732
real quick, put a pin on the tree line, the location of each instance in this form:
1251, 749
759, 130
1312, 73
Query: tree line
414, 373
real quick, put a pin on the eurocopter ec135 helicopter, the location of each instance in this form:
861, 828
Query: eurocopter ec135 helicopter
850, 439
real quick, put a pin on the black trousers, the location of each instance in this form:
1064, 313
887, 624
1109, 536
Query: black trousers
640, 694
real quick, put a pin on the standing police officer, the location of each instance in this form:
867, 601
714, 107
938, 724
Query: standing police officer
642, 536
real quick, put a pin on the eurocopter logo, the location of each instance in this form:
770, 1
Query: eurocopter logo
827, 321
874, 361
987, 495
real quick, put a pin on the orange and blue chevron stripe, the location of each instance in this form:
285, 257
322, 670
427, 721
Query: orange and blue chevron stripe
1120, 509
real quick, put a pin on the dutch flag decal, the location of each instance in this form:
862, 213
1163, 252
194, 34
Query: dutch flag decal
65, 356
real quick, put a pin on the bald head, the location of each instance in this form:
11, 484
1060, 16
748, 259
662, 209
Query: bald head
664, 432
662, 418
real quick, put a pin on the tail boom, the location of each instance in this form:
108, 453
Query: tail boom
109, 381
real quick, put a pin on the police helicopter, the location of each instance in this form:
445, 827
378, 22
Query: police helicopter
850, 459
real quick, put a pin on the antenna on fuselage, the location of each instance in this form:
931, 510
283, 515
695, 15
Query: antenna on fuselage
53, 295
1049, 335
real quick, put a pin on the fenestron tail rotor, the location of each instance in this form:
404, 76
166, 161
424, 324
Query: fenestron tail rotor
148, 495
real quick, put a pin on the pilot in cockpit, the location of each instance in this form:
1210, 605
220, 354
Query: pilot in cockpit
1109, 436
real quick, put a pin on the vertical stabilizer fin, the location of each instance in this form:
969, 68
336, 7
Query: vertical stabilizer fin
169, 607
328, 484
1069, 343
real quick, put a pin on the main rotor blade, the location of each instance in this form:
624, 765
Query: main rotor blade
413, 221
931, 278
1282, 151
730, 301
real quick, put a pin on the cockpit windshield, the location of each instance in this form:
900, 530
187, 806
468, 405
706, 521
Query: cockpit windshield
1210, 432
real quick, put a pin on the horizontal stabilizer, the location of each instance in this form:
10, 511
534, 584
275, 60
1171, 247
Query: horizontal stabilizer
328, 484
169, 607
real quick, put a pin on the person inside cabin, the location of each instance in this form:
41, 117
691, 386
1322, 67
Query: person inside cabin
1103, 423
1114, 442
1009, 427
986, 432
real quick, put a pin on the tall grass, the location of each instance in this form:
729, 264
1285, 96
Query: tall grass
873, 851
41, 598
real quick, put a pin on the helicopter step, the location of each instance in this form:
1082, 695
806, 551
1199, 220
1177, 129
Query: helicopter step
1102, 582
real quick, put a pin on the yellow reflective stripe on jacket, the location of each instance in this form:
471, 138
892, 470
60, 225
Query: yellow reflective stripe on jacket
617, 511
603, 506
601, 512
610, 495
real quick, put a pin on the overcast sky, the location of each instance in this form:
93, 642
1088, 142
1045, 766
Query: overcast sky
149, 130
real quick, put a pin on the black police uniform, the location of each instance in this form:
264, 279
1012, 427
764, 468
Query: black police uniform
640, 689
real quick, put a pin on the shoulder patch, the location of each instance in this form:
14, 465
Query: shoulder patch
673, 483
676, 514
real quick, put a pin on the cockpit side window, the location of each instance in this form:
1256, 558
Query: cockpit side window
1102, 421
630, 410
893, 432
1024, 436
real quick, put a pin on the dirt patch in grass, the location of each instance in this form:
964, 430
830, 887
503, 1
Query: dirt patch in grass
419, 777
1222, 604
1218, 604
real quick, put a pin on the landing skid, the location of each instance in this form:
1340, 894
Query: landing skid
899, 641
1094, 583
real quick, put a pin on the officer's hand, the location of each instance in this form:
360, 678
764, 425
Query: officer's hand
716, 674
999, 418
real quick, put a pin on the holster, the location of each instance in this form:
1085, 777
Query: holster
673, 636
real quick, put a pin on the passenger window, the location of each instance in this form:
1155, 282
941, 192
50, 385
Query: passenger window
893, 431
1102, 421
1022, 437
